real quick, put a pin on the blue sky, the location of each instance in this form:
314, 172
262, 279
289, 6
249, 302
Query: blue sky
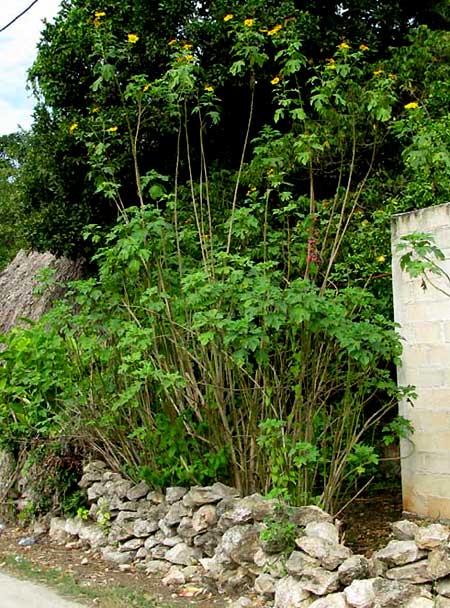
17, 53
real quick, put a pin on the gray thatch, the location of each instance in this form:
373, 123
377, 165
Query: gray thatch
18, 282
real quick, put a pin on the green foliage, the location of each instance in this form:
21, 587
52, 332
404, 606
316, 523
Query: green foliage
238, 324
399, 428
278, 535
11, 216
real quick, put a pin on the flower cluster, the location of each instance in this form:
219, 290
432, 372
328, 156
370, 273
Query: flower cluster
274, 30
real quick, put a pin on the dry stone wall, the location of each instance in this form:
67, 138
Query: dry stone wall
212, 537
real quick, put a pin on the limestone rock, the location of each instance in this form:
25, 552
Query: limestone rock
174, 494
156, 566
93, 534
240, 543
141, 553
150, 542
158, 551
171, 541
121, 531
144, 527
57, 529
138, 491
183, 555
353, 568
110, 554
156, 497
127, 516
96, 490
204, 518
207, 542
185, 529
420, 602
176, 513
134, 544
298, 562
323, 529
432, 536
265, 585
439, 562
392, 593
253, 508
92, 472
290, 593
74, 525
443, 586
198, 496
302, 516
413, 573
242, 602
404, 529
442, 602
334, 600
330, 555
399, 553
319, 581
360, 594
174, 576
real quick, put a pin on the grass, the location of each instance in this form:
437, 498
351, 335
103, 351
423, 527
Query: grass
67, 585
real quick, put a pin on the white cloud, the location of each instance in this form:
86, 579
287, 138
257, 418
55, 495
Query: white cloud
17, 53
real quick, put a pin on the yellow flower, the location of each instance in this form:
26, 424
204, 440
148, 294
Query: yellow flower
228, 17
209, 88
189, 57
331, 64
270, 171
412, 105
251, 190
100, 14
72, 127
146, 88
248, 22
275, 80
378, 72
363, 47
343, 46
186, 46
172, 42
381, 258
95, 109
274, 30
392, 76
96, 22
113, 129
133, 38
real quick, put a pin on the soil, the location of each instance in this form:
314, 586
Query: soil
88, 570
365, 523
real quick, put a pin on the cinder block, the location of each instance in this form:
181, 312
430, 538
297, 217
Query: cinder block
438, 463
438, 507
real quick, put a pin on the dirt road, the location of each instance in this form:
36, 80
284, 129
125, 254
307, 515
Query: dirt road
15, 593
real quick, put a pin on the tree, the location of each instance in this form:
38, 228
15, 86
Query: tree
11, 217
64, 79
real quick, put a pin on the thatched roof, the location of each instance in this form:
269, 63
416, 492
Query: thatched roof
19, 280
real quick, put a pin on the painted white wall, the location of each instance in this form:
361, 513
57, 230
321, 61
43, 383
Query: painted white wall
424, 319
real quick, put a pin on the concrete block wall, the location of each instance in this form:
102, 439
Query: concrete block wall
424, 319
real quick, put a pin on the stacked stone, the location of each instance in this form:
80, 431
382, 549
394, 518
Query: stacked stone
209, 534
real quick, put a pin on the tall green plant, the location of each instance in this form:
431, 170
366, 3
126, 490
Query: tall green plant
216, 333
